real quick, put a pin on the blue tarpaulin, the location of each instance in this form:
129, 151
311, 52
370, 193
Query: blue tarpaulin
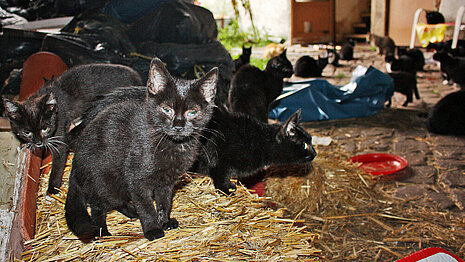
320, 100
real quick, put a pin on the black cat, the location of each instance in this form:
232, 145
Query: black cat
414, 53
307, 66
252, 90
384, 44
447, 117
133, 151
333, 57
43, 120
347, 50
447, 46
453, 67
434, 17
244, 58
237, 145
405, 83
403, 63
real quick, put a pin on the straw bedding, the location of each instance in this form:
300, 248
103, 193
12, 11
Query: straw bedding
334, 211
213, 227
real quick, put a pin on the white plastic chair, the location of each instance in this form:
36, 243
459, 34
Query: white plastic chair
457, 26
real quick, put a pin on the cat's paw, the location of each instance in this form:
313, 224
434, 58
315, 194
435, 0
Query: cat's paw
101, 232
154, 234
229, 189
52, 190
171, 224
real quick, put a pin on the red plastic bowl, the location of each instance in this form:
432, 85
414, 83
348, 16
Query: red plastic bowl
380, 164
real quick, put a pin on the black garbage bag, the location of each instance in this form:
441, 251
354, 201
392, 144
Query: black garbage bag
103, 27
190, 61
175, 22
75, 7
84, 49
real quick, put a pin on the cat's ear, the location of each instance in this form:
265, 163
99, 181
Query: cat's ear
12, 109
207, 84
283, 54
51, 102
289, 127
158, 76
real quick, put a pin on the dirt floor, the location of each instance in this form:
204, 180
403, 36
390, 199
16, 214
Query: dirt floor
433, 185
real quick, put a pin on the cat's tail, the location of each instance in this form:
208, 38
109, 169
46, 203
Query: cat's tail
77, 217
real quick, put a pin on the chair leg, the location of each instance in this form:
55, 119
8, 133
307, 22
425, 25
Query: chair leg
414, 31
458, 24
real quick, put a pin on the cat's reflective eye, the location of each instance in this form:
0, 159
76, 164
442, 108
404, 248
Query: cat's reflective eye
26, 134
45, 130
306, 146
167, 110
192, 113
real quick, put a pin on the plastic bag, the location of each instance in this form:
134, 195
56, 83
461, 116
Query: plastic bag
319, 100
191, 61
175, 22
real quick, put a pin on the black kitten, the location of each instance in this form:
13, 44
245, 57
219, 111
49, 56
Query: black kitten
307, 66
384, 44
237, 145
133, 151
447, 46
414, 53
447, 117
405, 83
434, 17
347, 50
244, 58
333, 57
253, 90
403, 63
453, 67
43, 120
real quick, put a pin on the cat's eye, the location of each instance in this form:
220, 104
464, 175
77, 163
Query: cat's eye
306, 146
45, 130
26, 134
192, 113
167, 110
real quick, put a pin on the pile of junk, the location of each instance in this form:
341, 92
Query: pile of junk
129, 32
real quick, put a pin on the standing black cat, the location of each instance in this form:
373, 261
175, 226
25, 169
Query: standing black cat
244, 58
447, 117
253, 90
414, 53
405, 83
307, 66
43, 120
453, 67
403, 63
132, 152
347, 50
237, 145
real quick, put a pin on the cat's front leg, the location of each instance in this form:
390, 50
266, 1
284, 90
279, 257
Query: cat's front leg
148, 216
164, 201
222, 181
59, 157
99, 220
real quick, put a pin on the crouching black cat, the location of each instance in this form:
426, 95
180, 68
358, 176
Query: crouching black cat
132, 152
43, 120
307, 66
237, 145
253, 90
447, 117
